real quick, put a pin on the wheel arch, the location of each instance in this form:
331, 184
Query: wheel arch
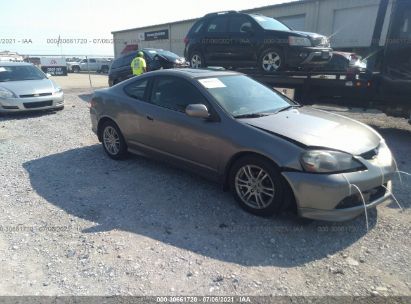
101, 123
235, 158
289, 190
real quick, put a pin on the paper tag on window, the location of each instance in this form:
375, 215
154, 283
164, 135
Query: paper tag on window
212, 83
2, 69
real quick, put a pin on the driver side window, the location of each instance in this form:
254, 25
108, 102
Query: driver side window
175, 94
240, 24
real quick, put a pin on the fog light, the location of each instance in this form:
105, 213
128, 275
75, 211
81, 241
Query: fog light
303, 55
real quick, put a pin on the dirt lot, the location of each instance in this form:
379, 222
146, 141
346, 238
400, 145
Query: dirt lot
75, 222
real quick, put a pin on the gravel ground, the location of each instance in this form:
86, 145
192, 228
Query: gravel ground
75, 222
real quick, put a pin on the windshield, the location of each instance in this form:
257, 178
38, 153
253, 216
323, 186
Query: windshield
19, 73
270, 23
239, 95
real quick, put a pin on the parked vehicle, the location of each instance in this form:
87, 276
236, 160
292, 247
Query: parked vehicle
233, 39
23, 87
155, 58
268, 150
90, 64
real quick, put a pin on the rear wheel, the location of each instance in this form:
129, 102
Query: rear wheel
104, 69
258, 186
271, 61
197, 60
113, 141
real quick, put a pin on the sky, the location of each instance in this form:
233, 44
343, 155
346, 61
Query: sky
33, 26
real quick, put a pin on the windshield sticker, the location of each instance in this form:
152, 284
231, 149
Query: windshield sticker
2, 69
212, 83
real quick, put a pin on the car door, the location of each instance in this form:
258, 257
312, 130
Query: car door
83, 65
243, 33
176, 135
92, 64
216, 41
132, 116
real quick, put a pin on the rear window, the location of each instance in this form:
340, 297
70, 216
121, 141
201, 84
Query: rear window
196, 28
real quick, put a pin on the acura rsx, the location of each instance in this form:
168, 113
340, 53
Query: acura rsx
269, 151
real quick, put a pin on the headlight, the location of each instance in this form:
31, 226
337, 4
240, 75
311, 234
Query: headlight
4, 93
325, 42
384, 157
298, 41
58, 90
324, 161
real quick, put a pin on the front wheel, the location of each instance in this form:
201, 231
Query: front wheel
75, 69
271, 61
113, 141
258, 186
197, 60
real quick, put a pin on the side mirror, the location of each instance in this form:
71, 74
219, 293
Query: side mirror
197, 110
247, 30
48, 75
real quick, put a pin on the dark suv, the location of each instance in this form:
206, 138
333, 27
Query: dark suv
156, 59
233, 39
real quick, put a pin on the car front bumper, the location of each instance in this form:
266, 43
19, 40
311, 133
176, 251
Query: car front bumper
322, 196
308, 56
54, 101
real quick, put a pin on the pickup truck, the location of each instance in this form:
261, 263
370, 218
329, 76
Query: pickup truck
93, 65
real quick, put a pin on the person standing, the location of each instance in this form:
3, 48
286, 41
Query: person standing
138, 65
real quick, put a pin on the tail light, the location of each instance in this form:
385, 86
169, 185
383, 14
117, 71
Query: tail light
186, 40
93, 103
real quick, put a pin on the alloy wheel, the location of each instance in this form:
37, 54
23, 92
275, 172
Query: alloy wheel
271, 62
111, 140
196, 62
254, 186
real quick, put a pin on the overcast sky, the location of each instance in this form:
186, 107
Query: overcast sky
30, 23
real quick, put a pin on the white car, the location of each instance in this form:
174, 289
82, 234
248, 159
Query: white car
23, 87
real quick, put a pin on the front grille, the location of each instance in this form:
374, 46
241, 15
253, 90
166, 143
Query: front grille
35, 95
370, 154
40, 104
10, 107
369, 196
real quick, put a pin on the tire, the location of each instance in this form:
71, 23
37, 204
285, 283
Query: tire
271, 61
75, 69
113, 141
104, 69
59, 109
264, 202
197, 60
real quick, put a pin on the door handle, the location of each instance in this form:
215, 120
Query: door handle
149, 117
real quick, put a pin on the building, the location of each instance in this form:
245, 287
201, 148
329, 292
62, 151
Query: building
349, 23
10, 56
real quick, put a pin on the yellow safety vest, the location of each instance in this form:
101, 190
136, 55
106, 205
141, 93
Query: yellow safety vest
137, 65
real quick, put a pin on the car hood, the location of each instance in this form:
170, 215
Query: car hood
171, 58
26, 87
309, 34
316, 128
